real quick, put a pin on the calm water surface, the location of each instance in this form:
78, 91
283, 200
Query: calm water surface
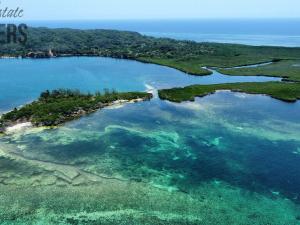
250, 142
274, 32
29, 77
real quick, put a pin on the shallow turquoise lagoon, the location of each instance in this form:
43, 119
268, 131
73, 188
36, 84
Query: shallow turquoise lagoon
228, 158
22, 80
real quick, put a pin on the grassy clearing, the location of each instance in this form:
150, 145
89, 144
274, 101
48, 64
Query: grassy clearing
289, 92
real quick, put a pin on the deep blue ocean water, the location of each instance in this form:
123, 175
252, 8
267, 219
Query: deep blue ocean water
225, 123
250, 143
278, 32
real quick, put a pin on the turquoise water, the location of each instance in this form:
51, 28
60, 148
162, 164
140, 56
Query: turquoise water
228, 158
249, 141
28, 77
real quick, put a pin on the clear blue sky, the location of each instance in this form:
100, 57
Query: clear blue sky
154, 9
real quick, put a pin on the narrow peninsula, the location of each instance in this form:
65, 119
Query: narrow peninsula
289, 92
188, 56
289, 70
56, 107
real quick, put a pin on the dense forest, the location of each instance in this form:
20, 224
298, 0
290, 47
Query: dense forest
288, 92
59, 106
187, 56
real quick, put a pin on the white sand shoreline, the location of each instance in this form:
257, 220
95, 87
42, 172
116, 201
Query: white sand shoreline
18, 127
27, 125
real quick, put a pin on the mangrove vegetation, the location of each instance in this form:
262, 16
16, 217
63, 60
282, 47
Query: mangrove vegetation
289, 92
59, 106
289, 70
187, 56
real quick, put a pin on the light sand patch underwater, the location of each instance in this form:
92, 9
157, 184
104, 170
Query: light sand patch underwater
167, 140
56, 136
192, 163
119, 202
207, 113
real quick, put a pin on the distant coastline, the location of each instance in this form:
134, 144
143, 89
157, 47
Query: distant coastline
187, 56
268, 32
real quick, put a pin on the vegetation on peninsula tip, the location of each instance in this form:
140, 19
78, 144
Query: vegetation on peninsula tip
59, 106
288, 92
